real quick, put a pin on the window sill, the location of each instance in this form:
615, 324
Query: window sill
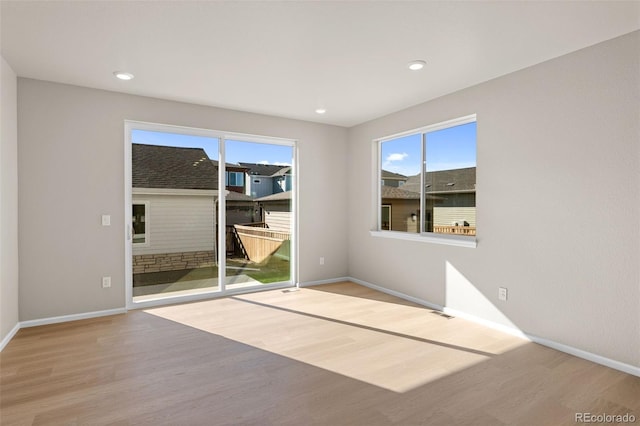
449, 240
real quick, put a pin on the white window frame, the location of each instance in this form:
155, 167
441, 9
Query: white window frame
427, 237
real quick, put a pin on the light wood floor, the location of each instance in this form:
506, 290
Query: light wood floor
337, 354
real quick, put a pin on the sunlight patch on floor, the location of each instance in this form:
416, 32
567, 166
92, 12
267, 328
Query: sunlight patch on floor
394, 346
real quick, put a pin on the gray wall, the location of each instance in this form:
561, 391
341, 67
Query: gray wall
8, 200
71, 171
558, 203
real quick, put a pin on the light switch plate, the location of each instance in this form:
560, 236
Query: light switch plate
106, 220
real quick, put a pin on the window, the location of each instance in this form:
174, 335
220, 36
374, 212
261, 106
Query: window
235, 179
140, 224
385, 219
175, 179
437, 168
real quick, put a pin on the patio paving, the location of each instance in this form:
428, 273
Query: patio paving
180, 288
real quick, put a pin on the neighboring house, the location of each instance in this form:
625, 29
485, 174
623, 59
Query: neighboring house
276, 211
239, 206
175, 201
450, 201
394, 180
282, 180
174, 192
272, 235
267, 179
234, 177
400, 209
241, 209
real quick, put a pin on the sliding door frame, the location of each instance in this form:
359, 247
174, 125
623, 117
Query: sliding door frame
222, 137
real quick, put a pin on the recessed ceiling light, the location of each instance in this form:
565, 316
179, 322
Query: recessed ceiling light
321, 110
416, 65
123, 75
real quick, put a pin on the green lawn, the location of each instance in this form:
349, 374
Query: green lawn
273, 270
276, 268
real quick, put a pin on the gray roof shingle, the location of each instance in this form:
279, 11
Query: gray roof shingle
236, 196
456, 180
391, 192
283, 171
230, 166
172, 167
262, 169
278, 196
386, 174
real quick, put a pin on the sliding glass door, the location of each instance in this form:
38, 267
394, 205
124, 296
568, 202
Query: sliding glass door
258, 213
206, 212
174, 193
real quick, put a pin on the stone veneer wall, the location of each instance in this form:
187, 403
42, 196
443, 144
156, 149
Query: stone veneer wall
162, 262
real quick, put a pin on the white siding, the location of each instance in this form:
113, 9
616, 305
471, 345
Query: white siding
177, 223
445, 216
278, 221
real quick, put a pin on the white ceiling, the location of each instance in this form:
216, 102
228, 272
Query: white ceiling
288, 58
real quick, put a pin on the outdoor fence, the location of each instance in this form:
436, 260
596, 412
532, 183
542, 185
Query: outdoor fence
258, 241
457, 230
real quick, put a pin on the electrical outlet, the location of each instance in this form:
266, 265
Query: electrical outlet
502, 293
322, 260
106, 282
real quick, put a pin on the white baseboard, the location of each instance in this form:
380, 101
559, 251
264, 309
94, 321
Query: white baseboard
607, 362
72, 317
397, 294
321, 282
598, 359
9, 336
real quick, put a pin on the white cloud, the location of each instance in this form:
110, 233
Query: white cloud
265, 162
395, 162
396, 157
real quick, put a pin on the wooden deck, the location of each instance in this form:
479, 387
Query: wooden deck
338, 354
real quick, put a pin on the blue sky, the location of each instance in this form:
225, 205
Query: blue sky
236, 151
451, 148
